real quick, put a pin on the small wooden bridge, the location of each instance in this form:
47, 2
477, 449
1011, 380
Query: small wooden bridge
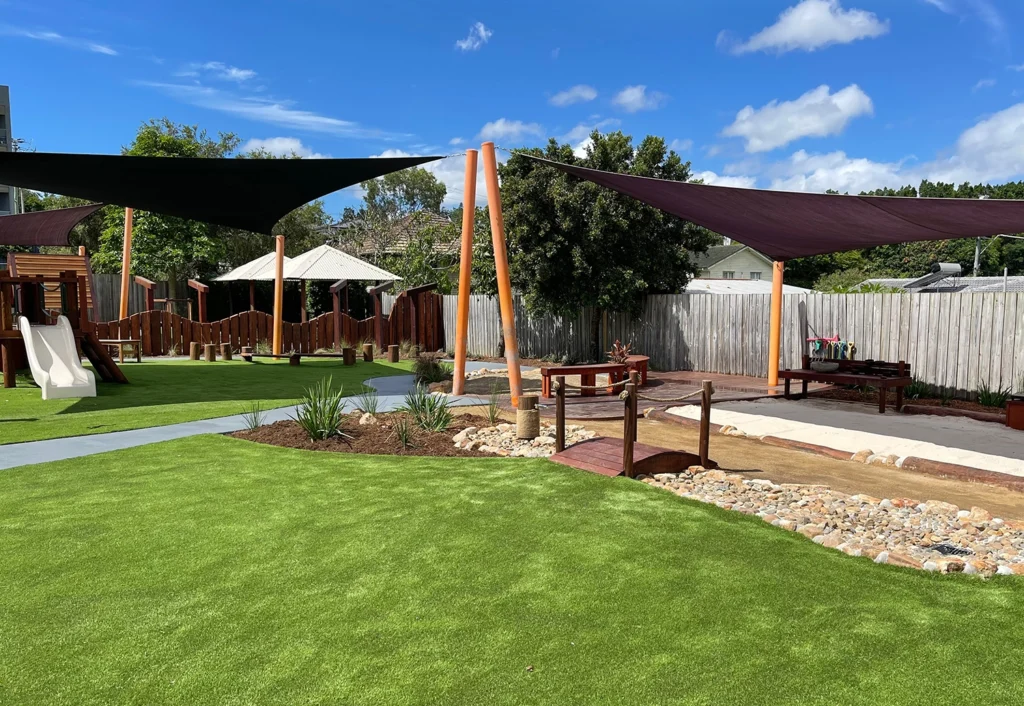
611, 457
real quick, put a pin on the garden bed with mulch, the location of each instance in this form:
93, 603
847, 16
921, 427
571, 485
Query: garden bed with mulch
380, 438
842, 394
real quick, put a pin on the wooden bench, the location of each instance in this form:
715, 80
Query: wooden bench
875, 373
120, 343
588, 376
639, 363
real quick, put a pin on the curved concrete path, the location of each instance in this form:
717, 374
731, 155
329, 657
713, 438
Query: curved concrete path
391, 392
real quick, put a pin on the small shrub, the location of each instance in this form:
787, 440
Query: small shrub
262, 348
494, 405
321, 411
993, 398
408, 349
367, 402
430, 412
916, 390
945, 396
404, 432
254, 416
619, 353
428, 368
173, 350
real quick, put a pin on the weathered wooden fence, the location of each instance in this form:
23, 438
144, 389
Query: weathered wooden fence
956, 341
107, 298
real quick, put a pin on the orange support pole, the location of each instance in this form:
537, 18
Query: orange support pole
278, 294
775, 331
508, 317
126, 262
465, 274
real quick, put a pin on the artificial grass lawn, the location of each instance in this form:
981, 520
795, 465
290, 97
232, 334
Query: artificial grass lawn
210, 570
168, 392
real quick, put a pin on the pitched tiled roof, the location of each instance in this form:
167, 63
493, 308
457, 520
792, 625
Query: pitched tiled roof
398, 237
717, 253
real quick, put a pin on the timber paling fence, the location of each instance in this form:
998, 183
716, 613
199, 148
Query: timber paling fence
957, 341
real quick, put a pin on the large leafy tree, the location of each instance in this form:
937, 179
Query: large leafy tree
573, 244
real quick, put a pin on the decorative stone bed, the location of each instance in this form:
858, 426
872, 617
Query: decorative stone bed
501, 440
897, 531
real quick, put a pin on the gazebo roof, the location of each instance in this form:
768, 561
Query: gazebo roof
331, 264
260, 269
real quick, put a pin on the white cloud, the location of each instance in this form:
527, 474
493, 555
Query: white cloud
503, 129
983, 9
635, 98
992, 150
943, 5
282, 147
452, 173
577, 94
681, 145
217, 70
456, 141
984, 83
816, 113
1016, 67
265, 110
579, 136
742, 182
477, 37
555, 52
810, 25
60, 39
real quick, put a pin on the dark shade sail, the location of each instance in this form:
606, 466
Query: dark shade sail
785, 225
252, 194
38, 228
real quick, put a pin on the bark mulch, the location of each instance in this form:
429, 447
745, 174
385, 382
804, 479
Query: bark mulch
379, 438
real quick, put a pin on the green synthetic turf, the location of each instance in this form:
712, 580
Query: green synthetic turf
210, 570
168, 392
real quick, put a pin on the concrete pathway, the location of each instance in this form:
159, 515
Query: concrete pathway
851, 428
391, 392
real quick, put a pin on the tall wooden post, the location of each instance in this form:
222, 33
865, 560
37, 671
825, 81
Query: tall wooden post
628, 433
81, 251
560, 414
705, 421
508, 316
341, 284
252, 295
126, 262
465, 274
302, 301
278, 294
775, 331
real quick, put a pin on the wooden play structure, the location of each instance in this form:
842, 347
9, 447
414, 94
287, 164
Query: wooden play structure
36, 265
416, 317
41, 299
609, 457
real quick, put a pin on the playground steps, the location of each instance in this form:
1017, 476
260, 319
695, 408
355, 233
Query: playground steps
101, 360
604, 456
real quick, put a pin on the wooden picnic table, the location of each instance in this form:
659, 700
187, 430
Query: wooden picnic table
875, 373
120, 344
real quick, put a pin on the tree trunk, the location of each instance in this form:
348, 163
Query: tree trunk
595, 334
172, 288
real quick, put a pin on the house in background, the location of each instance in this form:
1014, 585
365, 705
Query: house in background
733, 262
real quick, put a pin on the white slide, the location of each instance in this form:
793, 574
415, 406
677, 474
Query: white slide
53, 358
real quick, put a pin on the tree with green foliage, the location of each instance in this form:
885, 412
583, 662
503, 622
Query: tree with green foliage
574, 244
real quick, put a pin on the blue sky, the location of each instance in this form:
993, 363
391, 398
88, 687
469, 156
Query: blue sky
803, 95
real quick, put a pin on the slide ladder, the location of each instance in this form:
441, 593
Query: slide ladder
102, 362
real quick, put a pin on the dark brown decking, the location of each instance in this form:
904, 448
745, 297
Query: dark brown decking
728, 388
604, 456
